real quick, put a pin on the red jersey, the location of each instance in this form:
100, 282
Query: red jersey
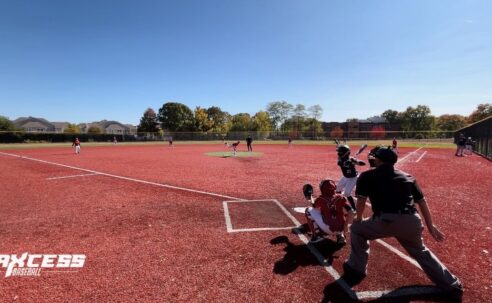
332, 210
394, 143
76, 143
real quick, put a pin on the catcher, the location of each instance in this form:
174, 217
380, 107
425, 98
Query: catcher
349, 172
330, 213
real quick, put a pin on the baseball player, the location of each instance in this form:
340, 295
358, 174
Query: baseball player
468, 146
460, 145
76, 143
349, 172
395, 145
249, 142
170, 140
330, 214
232, 146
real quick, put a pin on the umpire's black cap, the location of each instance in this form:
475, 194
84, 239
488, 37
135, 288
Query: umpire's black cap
386, 155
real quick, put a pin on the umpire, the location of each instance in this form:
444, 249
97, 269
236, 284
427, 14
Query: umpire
393, 195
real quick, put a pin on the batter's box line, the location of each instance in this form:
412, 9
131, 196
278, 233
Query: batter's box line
228, 220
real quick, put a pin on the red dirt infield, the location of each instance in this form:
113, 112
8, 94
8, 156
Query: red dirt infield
160, 224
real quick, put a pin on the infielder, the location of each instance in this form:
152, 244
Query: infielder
76, 143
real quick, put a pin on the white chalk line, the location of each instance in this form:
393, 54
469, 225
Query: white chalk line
123, 178
418, 160
71, 176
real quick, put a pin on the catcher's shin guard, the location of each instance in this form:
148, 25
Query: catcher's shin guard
313, 228
352, 202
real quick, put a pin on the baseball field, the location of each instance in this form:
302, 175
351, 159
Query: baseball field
151, 223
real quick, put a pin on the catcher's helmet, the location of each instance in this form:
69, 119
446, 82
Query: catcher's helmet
343, 150
327, 187
385, 154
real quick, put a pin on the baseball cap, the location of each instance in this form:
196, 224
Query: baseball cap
387, 155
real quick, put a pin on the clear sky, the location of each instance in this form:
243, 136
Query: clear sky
84, 61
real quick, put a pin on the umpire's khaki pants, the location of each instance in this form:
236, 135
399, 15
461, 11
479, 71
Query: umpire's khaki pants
407, 229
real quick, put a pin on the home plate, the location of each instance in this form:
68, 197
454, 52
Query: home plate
301, 210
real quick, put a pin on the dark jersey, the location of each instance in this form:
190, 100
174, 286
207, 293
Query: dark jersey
249, 140
348, 167
389, 190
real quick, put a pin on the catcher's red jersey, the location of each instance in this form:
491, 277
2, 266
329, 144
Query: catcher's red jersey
332, 210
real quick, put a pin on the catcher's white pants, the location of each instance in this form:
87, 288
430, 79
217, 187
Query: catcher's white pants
316, 216
77, 149
346, 185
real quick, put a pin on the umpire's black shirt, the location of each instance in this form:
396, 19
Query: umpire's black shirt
390, 190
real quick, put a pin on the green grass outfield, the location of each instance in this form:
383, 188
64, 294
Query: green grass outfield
445, 143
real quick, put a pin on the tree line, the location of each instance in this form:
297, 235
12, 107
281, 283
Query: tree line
283, 116
278, 116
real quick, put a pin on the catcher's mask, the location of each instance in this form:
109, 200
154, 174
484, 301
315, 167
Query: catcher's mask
307, 190
327, 187
343, 151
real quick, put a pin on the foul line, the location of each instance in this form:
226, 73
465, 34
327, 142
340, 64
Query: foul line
418, 160
123, 178
72, 176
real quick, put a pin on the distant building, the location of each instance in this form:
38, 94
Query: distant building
109, 127
40, 125
375, 128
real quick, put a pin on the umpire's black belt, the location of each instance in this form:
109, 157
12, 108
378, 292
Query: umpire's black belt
396, 212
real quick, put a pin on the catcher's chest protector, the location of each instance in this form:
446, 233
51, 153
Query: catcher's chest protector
333, 214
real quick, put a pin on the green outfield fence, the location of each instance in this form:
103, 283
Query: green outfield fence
481, 134
31, 137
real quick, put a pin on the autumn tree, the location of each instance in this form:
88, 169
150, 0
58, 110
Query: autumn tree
72, 129
336, 132
6, 124
392, 116
262, 122
241, 122
483, 111
148, 122
279, 111
202, 122
450, 122
94, 130
175, 116
220, 119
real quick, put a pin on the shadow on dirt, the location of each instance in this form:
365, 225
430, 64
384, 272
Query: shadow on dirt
300, 255
334, 293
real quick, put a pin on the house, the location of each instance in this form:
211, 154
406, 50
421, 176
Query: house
40, 125
109, 127
34, 125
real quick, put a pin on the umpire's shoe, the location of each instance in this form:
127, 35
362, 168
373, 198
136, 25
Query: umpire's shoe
351, 276
455, 295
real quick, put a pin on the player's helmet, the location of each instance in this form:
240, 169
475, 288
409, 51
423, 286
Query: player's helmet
385, 154
343, 150
327, 187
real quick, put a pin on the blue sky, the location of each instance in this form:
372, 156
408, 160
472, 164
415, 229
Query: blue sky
83, 61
